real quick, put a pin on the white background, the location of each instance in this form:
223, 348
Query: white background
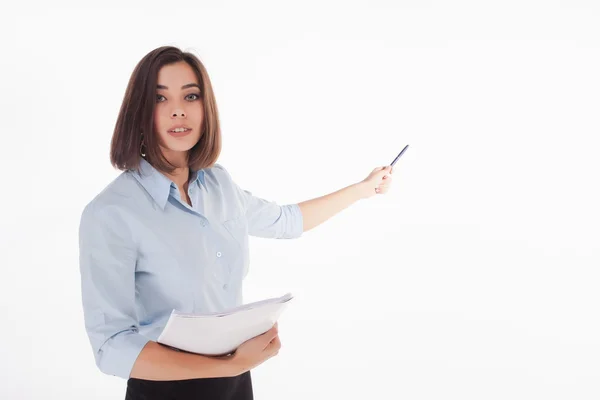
475, 277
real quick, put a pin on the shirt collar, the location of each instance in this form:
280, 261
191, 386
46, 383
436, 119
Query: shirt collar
158, 185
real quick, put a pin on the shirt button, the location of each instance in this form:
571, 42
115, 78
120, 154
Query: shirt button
203, 223
225, 286
218, 254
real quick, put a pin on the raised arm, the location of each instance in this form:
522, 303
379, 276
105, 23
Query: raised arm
318, 210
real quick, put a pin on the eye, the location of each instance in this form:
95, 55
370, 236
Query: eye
158, 97
194, 94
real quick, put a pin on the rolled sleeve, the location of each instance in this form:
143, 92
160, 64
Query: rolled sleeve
107, 256
271, 220
118, 355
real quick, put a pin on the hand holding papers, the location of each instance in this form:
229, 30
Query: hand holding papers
216, 334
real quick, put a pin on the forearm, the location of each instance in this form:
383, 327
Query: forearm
160, 363
319, 210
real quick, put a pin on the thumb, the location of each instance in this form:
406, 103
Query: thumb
384, 170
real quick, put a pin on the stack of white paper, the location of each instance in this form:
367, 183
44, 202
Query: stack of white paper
221, 333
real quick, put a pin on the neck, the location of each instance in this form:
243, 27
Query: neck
181, 173
180, 176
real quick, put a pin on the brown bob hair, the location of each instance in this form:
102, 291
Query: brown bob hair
136, 116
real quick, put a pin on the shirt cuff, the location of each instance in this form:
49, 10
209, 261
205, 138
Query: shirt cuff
294, 221
119, 353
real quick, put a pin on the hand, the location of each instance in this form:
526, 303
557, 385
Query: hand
378, 182
257, 350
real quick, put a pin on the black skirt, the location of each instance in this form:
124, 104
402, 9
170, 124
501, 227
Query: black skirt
225, 388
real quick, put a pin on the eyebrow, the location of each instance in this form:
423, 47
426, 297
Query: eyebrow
189, 85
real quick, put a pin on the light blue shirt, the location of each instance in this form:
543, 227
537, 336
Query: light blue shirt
144, 252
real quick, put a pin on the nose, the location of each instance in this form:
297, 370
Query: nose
178, 113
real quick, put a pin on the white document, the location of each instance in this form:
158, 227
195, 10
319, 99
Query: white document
220, 333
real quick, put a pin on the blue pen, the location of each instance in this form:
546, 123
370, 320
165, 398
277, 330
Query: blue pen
398, 156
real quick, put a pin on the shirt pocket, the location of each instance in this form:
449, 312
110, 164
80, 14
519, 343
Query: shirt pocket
237, 229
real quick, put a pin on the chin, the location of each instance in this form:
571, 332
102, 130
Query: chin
179, 146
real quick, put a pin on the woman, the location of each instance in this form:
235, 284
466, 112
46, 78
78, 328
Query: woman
171, 232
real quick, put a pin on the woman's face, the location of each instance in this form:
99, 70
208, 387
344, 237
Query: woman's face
178, 103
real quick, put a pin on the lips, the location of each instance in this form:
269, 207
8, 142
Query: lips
179, 127
179, 134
